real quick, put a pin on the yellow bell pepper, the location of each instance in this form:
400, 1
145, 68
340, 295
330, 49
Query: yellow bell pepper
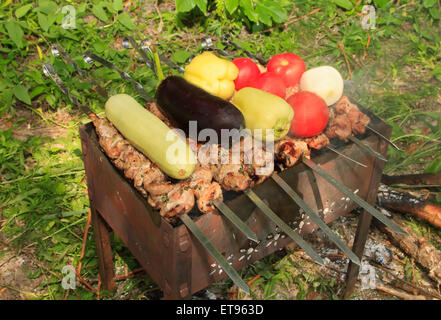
213, 74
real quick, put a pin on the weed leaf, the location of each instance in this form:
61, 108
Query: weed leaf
345, 4
126, 21
99, 12
16, 34
21, 12
21, 93
185, 5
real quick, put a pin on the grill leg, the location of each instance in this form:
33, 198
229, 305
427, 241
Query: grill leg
104, 251
363, 227
364, 222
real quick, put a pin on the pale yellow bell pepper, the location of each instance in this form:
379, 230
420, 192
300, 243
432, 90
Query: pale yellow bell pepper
213, 74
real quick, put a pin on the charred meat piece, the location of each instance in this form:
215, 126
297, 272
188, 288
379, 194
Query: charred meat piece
231, 176
358, 120
288, 151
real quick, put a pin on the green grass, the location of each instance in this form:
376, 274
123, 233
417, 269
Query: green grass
395, 72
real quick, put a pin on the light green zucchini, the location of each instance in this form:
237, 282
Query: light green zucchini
151, 136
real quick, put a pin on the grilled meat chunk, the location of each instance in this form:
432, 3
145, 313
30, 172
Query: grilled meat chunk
288, 151
205, 190
318, 142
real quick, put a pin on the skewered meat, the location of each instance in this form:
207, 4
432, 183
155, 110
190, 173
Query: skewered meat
230, 174
339, 126
318, 141
205, 190
170, 199
288, 151
179, 200
230, 170
358, 119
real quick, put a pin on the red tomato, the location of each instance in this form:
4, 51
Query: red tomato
270, 82
248, 71
288, 66
311, 114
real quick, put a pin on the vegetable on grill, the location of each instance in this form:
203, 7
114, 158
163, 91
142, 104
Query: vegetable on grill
213, 74
182, 102
288, 66
324, 81
263, 111
151, 136
248, 72
310, 114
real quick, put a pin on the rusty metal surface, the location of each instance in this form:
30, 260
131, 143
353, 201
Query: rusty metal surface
175, 260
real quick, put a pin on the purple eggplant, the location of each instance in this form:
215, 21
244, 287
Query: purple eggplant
182, 102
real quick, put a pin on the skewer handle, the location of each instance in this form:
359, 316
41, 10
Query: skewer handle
49, 71
89, 58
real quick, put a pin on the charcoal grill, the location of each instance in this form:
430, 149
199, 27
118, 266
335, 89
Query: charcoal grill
176, 260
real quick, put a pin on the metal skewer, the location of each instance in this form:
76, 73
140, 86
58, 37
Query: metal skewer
226, 40
345, 156
49, 71
366, 148
347, 192
227, 212
282, 225
129, 42
145, 44
315, 218
384, 138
